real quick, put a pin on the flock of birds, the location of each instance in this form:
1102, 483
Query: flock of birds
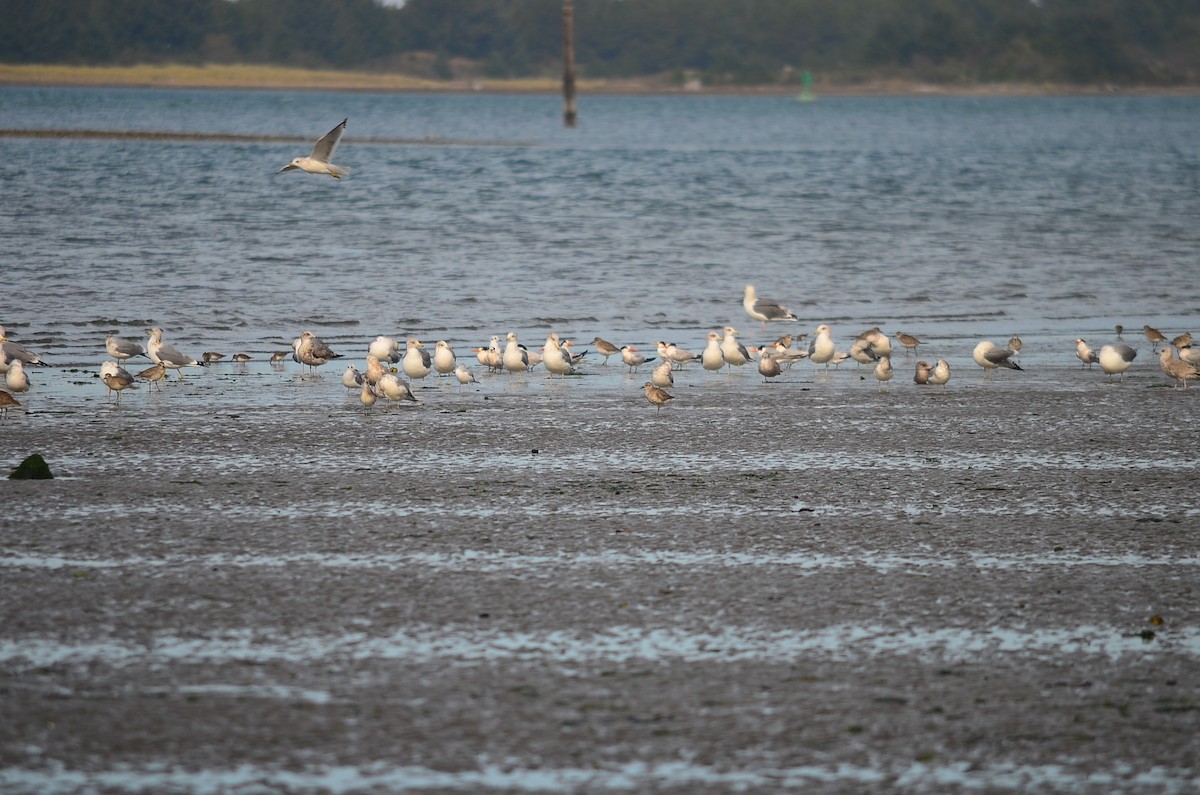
386, 359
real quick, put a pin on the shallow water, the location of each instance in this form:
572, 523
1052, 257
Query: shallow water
948, 218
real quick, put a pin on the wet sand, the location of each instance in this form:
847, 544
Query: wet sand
248, 583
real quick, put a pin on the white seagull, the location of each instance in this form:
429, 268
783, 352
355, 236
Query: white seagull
989, 357
161, 353
1116, 359
322, 153
762, 309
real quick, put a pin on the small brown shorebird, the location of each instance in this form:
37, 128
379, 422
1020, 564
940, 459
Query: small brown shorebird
279, 356
909, 342
153, 374
1153, 336
658, 397
605, 348
212, 356
7, 402
241, 358
1176, 368
922, 375
1014, 343
117, 382
1119, 329
1183, 340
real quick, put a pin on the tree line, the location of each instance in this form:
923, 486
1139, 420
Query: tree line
718, 41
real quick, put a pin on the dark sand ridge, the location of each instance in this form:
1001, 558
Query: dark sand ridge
804, 585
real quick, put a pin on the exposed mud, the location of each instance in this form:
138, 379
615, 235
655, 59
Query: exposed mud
248, 583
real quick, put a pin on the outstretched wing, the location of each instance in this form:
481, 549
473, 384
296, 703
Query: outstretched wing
325, 147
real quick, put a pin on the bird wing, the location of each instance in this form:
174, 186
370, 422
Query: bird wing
325, 147
772, 310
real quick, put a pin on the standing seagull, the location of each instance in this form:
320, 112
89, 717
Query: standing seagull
1085, 354
1176, 368
161, 353
989, 357
121, 349
762, 309
941, 374
924, 370
318, 161
1116, 359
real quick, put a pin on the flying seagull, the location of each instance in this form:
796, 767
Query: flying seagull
322, 153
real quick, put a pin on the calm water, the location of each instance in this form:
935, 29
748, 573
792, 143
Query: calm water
944, 217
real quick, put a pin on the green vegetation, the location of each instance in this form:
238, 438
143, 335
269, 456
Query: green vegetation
722, 42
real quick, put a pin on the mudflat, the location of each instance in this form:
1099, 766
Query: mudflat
249, 583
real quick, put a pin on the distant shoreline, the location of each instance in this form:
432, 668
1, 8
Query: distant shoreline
279, 78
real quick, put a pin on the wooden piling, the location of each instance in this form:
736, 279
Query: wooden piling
569, 106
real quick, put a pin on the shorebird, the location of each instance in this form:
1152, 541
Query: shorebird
883, 370
763, 309
322, 153
15, 378
633, 358
1183, 340
444, 360
909, 342
367, 396
941, 374
711, 358
1085, 354
394, 389
7, 402
515, 358
1014, 343
241, 358
862, 352
989, 357
657, 397
14, 351
881, 344
311, 350
1119, 329
385, 349
463, 375
118, 382
676, 355
417, 361
1176, 368
734, 352
768, 366
374, 370
1153, 336
822, 348
208, 357
553, 358
924, 370
278, 356
153, 375
605, 348
352, 379
661, 376
160, 352
121, 349
1116, 359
